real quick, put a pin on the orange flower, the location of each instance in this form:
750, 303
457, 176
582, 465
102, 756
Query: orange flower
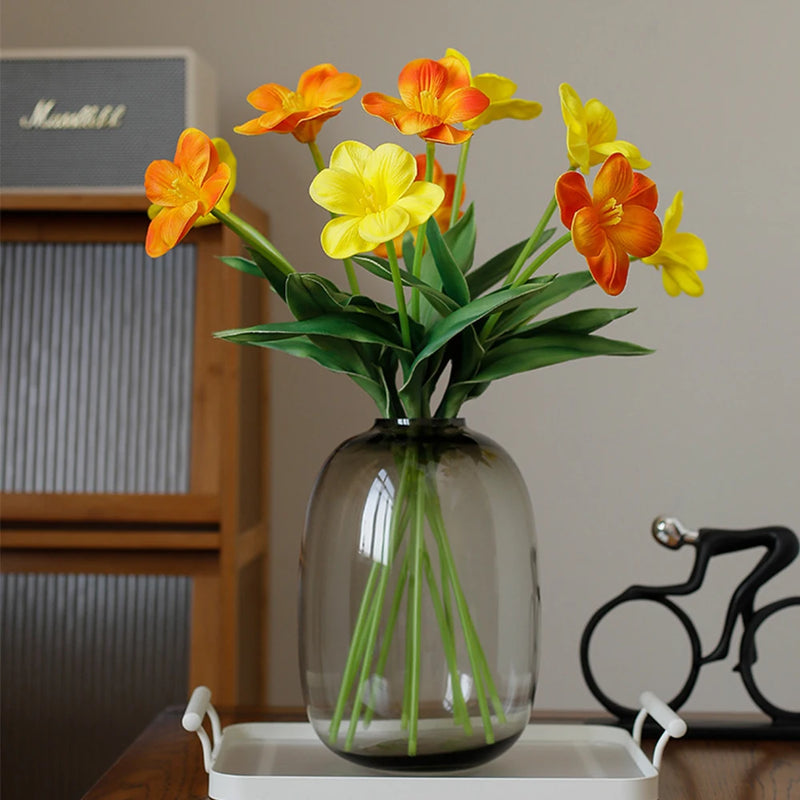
442, 214
303, 112
433, 95
186, 189
617, 219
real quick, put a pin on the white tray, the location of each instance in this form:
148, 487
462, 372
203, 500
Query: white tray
263, 760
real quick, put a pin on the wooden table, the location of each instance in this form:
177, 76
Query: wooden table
165, 763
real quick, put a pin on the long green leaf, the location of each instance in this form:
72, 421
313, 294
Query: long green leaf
448, 327
496, 268
273, 274
351, 327
454, 283
588, 320
380, 267
528, 353
243, 265
461, 239
559, 288
310, 295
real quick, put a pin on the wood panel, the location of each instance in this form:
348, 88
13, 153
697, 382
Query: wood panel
217, 533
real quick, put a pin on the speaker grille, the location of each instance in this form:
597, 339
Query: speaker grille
96, 343
88, 661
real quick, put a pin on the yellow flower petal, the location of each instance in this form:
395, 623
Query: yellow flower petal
601, 151
384, 225
338, 191
389, 172
421, 201
350, 156
340, 238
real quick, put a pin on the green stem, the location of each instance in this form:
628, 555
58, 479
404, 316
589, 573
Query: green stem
416, 608
460, 713
254, 239
399, 295
460, 172
419, 250
541, 258
349, 269
354, 654
531, 243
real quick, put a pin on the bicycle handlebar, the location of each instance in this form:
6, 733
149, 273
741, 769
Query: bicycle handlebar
672, 533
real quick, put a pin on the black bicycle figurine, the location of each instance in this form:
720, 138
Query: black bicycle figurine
781, 549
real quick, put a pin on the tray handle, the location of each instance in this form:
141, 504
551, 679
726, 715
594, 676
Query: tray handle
199, 706
674, 727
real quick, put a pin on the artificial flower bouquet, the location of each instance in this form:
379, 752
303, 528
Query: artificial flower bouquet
455, 326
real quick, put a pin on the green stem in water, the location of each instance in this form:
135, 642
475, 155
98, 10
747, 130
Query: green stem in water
399, 295
349, 269
460, 172
419, 251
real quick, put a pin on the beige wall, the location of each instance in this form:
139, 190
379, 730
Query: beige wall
707, 428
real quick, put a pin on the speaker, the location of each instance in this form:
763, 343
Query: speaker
92, 120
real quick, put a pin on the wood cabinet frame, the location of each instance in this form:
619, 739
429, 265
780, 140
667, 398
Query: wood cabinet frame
217, 532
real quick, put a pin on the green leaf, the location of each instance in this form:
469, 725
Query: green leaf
461, 239
454, 284
408, 248
521, 354
243, 265
559, 288
587, 320
380, 267
309, 295
275, 276
351, 327
450, 326
497, 267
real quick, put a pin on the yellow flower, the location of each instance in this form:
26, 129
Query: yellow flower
592, 133
226, 156
500, 91
375, 194
680, 256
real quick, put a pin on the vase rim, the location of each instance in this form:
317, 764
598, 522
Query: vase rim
420, 422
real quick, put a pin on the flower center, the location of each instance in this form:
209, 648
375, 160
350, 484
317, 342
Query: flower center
610, 212
295, 102
428, 103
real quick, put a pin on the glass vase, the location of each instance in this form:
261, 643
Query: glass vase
419, 602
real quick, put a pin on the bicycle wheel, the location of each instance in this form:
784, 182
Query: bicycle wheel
750, 650
620, 710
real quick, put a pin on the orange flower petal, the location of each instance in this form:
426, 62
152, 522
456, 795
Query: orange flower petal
168, 227
614, 180
422, 75
610, 269
571, 194
463, 104
383, 106
588, 236
159, 183
325, 86
269, 97
643, 192
638, 232
445, 134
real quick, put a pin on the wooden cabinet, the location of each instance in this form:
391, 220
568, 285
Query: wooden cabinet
214, 529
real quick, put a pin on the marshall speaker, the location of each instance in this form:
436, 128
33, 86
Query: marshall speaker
92, 120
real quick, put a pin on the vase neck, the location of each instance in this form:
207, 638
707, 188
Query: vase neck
421, 425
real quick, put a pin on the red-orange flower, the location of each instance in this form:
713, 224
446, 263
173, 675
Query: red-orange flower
186, 189
616, 220
442, 214
433, 96
302, 112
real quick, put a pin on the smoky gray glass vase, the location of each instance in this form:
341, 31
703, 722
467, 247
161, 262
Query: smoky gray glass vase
419, 601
